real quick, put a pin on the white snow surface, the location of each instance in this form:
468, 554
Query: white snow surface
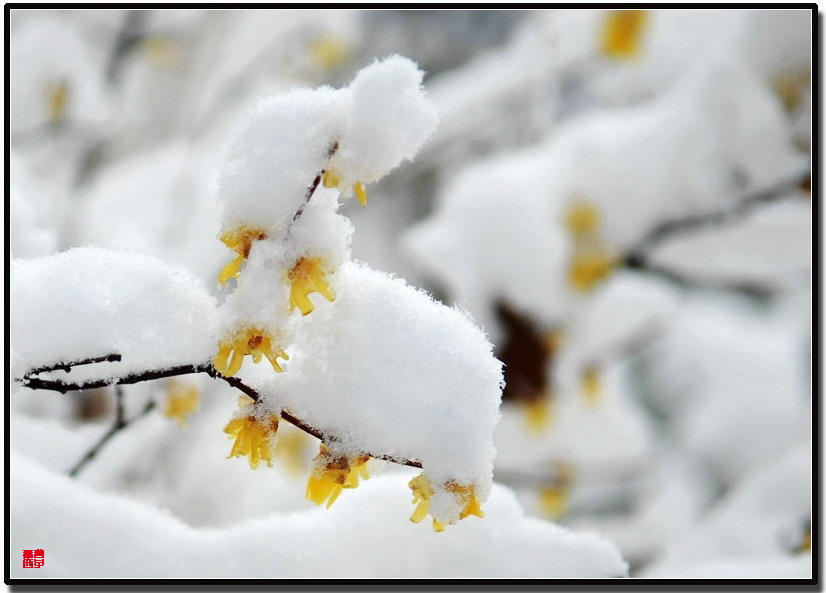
89, 302
87, 534
384, 369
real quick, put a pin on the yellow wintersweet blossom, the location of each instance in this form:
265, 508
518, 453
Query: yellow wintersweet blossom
591, 260
623, 32
307, 276
553, 499
253, 341
582, 218
539, 413
240, 240
588, 268
423, 491
253, 438
293, 443
181, 400
57, 101
331, 474
332, 179
329, 52
591, 386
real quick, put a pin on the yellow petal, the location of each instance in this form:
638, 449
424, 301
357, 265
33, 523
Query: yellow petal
231, 270
361, 193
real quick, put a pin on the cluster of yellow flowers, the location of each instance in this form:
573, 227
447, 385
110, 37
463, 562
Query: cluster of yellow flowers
423, 491
592, 260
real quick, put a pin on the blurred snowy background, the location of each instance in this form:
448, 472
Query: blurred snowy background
621, 199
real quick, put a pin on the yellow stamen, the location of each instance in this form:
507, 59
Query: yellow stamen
181, 400
251, 341
253, 438
240, 240
57, 101
332, 474
623, 32
307, 276
361, 193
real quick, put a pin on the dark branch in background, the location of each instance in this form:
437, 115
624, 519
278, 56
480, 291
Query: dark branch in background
130, 34
33, 382
637, 256
120, 423
740, 209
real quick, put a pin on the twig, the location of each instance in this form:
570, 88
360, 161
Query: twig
744, 206
120, 424
314, 185
32, 382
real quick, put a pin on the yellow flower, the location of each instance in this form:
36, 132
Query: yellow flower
582, 218
292, 445
423, 491
253, 341
330, 52
57, 101
181, 400
539, 413
553, 499
588, 268
333, 179
240, 240
591, 386
331, 474
307, 276
622, 33
253, 438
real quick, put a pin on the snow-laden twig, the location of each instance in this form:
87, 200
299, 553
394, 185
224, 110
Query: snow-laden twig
33, 382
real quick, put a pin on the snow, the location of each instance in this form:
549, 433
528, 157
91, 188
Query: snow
763, 517
436, 389
360, 537
359, 133
91, 302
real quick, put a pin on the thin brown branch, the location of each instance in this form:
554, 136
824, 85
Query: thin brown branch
67, 366
314, 184
739, 210
32, 382
119, 425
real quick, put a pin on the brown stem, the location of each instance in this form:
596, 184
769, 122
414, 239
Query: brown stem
120, 424
314, 185
32, 382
